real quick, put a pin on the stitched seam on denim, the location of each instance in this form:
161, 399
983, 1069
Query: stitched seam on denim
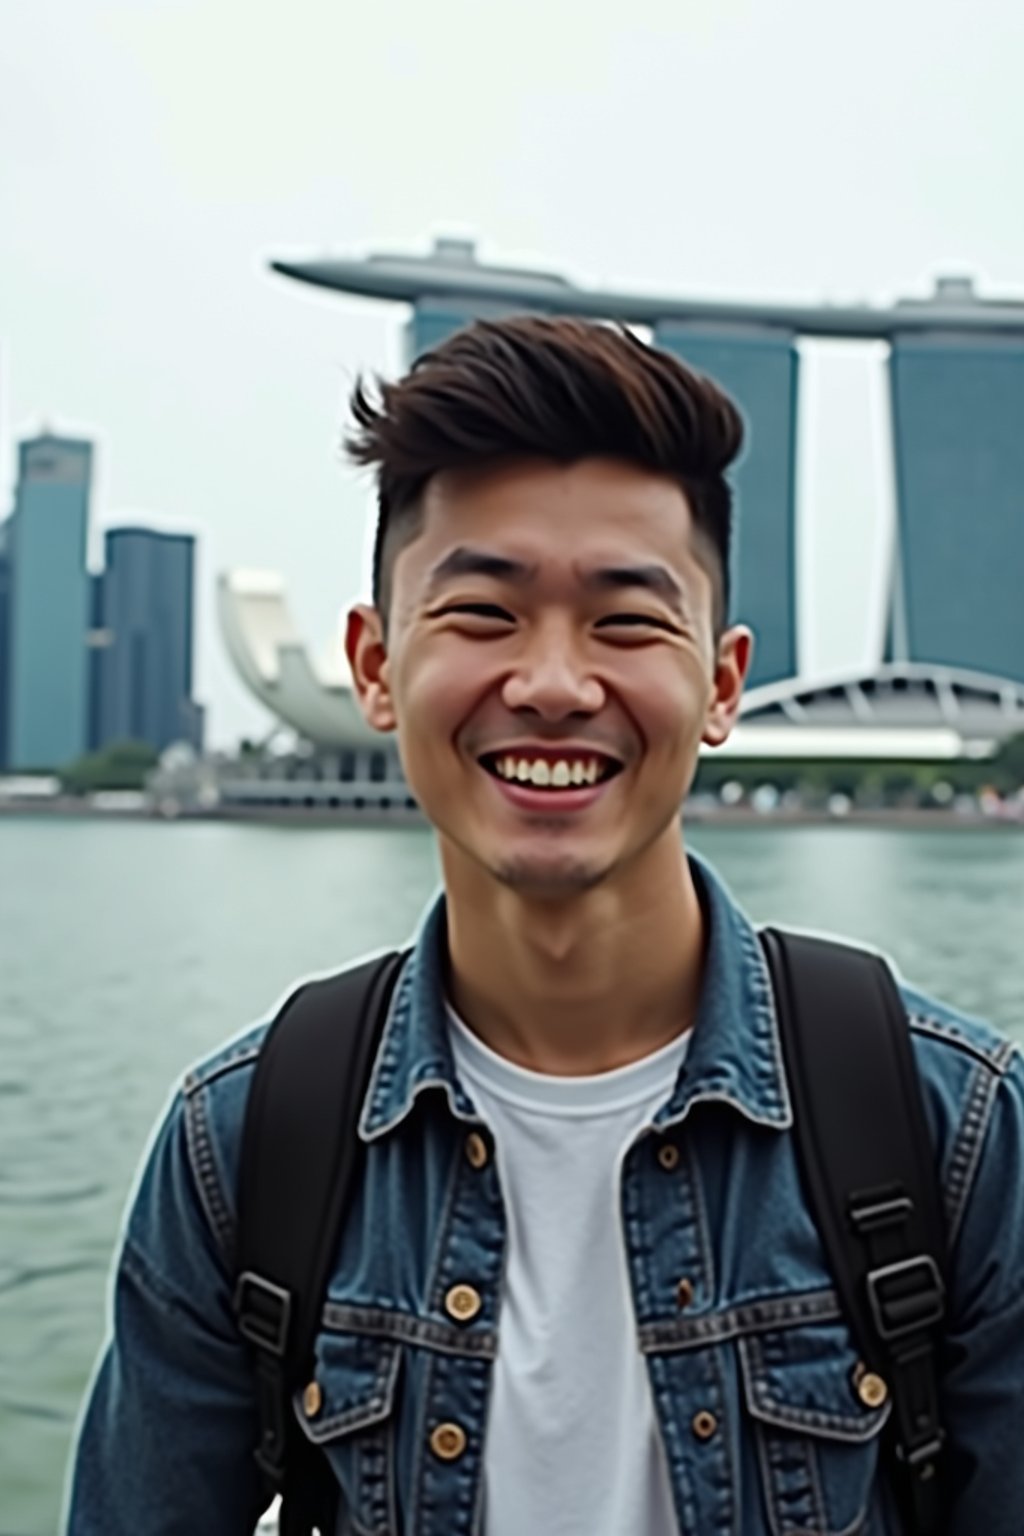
197, 1079
758, 963
385, 1064
720, 1096
391, 1477
204, 1170
380, 1323
847, 1427
775, 1517
476, 1524
422, 1452
724, 1441
967, 1150
767, 1477
751, 1317
997, 1058
441, 1243
707, 1253
374, 1410
817, 1488
433, 1081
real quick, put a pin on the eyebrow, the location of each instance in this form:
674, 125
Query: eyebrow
657, 579
465, 561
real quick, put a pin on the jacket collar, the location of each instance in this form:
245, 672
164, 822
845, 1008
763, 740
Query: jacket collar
735, 1056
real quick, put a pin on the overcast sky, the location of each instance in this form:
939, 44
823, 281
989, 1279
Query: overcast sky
156, 154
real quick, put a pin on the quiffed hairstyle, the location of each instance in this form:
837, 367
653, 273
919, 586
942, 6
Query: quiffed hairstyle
536, 386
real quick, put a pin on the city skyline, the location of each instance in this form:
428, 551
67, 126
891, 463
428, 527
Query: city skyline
725, 154
88, 657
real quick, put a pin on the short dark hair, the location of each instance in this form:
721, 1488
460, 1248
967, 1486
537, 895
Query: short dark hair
537, 386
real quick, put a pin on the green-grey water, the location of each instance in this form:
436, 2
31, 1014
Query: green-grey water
128, 949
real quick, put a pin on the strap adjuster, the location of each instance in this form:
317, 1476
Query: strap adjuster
906, 1296
264, 1312
875, 1210
918, 1458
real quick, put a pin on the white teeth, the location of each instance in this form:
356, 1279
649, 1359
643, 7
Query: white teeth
542, 774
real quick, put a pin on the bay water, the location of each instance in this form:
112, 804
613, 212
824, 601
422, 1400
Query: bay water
128, 949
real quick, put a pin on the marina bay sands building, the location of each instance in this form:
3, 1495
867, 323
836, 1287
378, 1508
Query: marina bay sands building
958, 572
758, 367
957, 387
951, 679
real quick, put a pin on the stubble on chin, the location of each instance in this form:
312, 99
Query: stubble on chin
548, 880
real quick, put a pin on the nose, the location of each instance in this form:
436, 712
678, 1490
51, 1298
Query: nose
552, 678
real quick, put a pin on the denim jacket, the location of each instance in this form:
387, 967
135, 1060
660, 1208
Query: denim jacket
751, 1366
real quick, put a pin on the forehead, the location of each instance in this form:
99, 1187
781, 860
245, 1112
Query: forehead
596, 509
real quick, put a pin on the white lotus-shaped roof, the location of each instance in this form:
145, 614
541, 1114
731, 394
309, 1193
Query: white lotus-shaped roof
271, 658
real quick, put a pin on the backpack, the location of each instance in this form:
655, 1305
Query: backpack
863, 1147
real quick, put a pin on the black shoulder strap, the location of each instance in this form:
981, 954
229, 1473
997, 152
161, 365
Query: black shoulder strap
300, 1153
867, 1163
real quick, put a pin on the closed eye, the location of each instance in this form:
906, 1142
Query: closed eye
476, 610
633, 620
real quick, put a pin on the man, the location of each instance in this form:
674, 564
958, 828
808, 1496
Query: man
579, 1291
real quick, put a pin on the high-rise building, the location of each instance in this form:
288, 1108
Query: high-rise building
49, 604
958, 428
146, 618
759, 369
5, 650
431, 322
97, 639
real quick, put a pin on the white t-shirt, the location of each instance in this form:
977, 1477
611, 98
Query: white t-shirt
573, 1447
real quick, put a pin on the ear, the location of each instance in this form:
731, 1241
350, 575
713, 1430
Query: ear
367, 655
735, 649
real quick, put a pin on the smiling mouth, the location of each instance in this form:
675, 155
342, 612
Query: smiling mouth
573, 771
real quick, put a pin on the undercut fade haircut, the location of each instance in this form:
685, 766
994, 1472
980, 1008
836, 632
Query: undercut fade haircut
546, 387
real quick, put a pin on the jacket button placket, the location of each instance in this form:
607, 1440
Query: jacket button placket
470, 1251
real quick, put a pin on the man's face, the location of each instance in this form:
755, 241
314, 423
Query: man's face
550, 668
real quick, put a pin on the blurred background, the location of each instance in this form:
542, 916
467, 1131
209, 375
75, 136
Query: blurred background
212, 219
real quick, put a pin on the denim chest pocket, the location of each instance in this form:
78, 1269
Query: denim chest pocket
818, 1444
348, 1411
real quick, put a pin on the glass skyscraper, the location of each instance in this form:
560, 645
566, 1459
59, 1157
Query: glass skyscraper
47, 714
431, 322
144, 671
958, 572
759, 370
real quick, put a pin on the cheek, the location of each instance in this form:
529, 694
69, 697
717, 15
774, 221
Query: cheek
435, 689
669, 701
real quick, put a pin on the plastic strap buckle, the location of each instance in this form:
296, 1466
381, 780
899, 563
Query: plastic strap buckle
264, 1312
906, 1296
920, 1455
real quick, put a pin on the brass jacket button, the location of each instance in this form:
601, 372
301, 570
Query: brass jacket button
685, 1293
312, 1400
704, 1424
476, 1149
448, 1441
463, 1303
870, 1388
668, 1156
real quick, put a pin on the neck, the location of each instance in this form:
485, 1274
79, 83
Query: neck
585, 984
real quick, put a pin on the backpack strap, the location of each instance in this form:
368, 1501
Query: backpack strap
867, 1163
299, 1158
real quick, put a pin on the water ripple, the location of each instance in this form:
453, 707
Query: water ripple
18, 1279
